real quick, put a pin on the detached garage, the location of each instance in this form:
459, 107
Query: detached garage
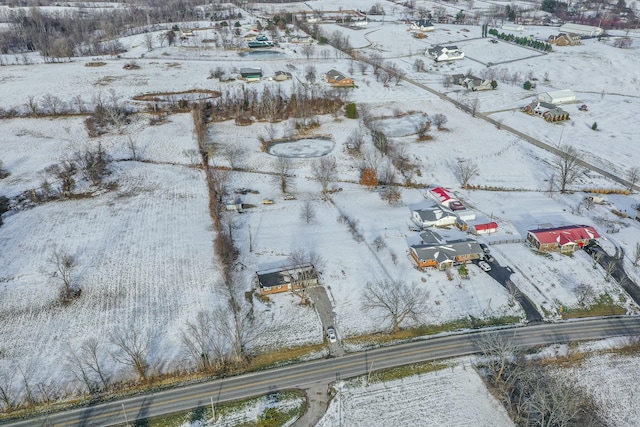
558, 96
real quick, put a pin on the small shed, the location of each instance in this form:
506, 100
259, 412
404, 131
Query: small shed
486, 228
233, 204
583, 30
251, 74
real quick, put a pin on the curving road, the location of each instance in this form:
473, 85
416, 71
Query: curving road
303, 375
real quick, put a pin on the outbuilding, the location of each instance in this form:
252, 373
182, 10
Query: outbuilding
558, 96
582, 30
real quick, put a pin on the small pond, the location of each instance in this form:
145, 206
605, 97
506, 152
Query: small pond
302, 148
396, 127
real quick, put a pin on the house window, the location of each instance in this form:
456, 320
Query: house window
266, 288
279, 286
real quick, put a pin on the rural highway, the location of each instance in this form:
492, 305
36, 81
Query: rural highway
302, 375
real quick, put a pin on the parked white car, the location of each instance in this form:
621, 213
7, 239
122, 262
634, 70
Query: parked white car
331, 334
483, 265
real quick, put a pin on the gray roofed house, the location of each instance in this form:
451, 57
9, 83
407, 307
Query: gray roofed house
446, 255
435, 216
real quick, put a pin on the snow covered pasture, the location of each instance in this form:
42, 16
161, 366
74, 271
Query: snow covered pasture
453, 396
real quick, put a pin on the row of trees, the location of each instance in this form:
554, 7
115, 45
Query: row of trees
524, 41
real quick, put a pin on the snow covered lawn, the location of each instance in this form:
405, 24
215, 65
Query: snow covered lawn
453, 396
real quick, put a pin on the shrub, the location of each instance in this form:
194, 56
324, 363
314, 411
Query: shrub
594, 126
352, 112
527, 85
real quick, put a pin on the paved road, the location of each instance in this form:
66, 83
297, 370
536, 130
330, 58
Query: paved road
306, 374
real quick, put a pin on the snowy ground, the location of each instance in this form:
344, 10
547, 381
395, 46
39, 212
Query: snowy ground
454, 396
145, 250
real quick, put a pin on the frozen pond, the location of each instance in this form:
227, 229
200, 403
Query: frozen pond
396, 127
302, 148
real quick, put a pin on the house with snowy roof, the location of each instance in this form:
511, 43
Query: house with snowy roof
565, 239
446, 255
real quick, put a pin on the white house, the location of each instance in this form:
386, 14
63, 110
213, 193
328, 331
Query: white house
557, 96
422, 25
445, 53
435, 216
582, 30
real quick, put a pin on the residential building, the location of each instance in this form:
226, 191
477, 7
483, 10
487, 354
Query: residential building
445, 53
548, 111
337, 79
422, 25
443, 256
564, 239
582, 30
435, 216
287, 279
564, 39
557, 96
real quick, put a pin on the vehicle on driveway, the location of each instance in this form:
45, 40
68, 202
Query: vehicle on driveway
483, 265
485, 248
489, 258
331, 334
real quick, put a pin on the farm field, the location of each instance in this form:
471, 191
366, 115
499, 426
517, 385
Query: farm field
144, 239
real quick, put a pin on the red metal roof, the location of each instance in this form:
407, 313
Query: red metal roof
441, 194
564, 235
487, 226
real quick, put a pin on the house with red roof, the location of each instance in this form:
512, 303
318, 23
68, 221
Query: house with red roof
564, 239
486, 228
443, 196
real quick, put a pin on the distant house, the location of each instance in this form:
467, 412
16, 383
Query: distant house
443, 196
548, 111
513, 27
422, 25
557, 96
233, 204
564, 39
251, 74
287, 279
443, 256
282, 76
486, 228
564, 239
475, 83
582, 30
444, 53
337, 79
435, 216
300, 39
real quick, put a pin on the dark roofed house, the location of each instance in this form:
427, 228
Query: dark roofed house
251, 74
337, 79
422, 25
287, 279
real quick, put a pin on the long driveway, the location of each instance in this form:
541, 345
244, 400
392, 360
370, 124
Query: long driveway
303, 375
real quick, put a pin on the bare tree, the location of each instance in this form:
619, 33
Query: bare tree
324, 171
234, 153
362, 66
395, 302
566, 164
391, 194
466, 169
418, 65
381, 142
148, 41
308, 212
64, 265
585, 293
499, 350
474, 105
134, 345
303, 271
133, 146
283, 166
356, 140
439, 120
7, 389
608, 270
636, 255
633, 175
86, 365
379, 243
308, 50
202, 341
596, 257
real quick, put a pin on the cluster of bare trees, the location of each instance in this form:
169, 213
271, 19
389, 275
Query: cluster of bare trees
529, 390
90, 32
466, 170
59, 180
304, 102
395, 302
385, 71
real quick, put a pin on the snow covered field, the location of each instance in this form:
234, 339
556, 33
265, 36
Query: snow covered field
145, 249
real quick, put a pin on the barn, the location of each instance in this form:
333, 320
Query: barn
582, 30
558, 96
486, 228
